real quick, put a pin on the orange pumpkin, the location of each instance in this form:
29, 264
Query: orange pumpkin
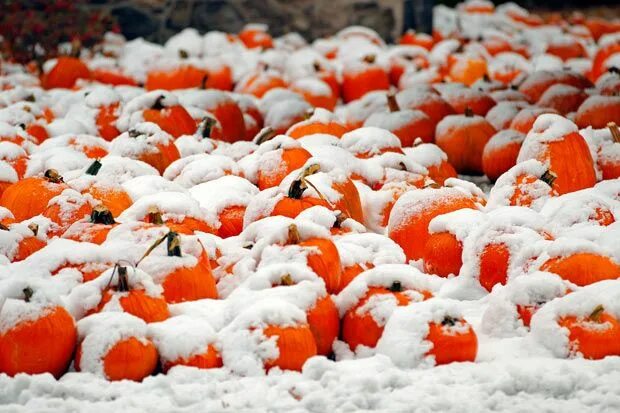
595, 336
607, 161
295, 345
450, 342
255, 36
174, 119
463, 138
408, 224
583, 268
443, 254
567, 156
500, 153
598, 111
134, 301
65, 73
41, 344
30, 196
65, 209
321, 121
95, 229
363, 77
106, 121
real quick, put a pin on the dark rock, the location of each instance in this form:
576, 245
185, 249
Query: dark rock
135, 22
216, 15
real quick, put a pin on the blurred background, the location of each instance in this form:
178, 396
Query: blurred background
156, 20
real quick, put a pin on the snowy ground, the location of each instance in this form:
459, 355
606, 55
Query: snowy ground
536, 384
513, 374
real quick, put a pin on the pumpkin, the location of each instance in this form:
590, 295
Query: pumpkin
538, 82
132, 296
583, 268
173, 119
466, 69
453, 340
433, 159
322, 257
427, 101
295, 344
566, 47
321, 121
260, 82
113, 197
494, 262
597, 111
182, 77
562, 98
607, 159
556, 142
524, 120
255, 36
30, 196
65, 209
361, 77
148, 143
41, 343
408, 223
463, 138
316, 92
65, 73
95, 229
203, 353
185, 278
407, 124
125, 354
527, 184
595, 336
277, 159
112, 77
443, 254
106, 121
410, 37
500, 153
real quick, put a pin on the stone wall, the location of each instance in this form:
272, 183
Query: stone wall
157, 20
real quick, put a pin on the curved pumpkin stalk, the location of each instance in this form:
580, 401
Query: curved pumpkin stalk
158, 242
302, 183
615, 131
595, 315
206, 126
392, 103
548, 177
265, 135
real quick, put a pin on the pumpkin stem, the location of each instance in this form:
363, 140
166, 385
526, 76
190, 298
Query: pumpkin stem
123, 281
3, 227
317, 66
433, 185
595, 315
34, 228
614, 69
152, 247
53, 176
206, 127
417, 142
203, 82
392, 103
134, 133
30, 98
28, 292
286, 279
299, 185
94, 168
293, 234
102, 215
449, 321
469, 112
309, 113
266, 134
173, 244
396, 287
158, 105
154, 216
548, 177
486, 77
340, 218
370, 58
183, 54
615, 131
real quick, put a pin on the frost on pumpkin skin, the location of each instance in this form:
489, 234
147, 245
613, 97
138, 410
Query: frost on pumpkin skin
173, 206
197, 335
86, 297
196, 169
245, 348
385, 275
131, 115
521, 297
99, 333
547, 331
404, 339
267, 159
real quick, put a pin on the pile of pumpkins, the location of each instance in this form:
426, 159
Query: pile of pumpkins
239, 201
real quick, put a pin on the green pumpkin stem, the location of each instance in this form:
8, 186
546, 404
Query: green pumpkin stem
94, 168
